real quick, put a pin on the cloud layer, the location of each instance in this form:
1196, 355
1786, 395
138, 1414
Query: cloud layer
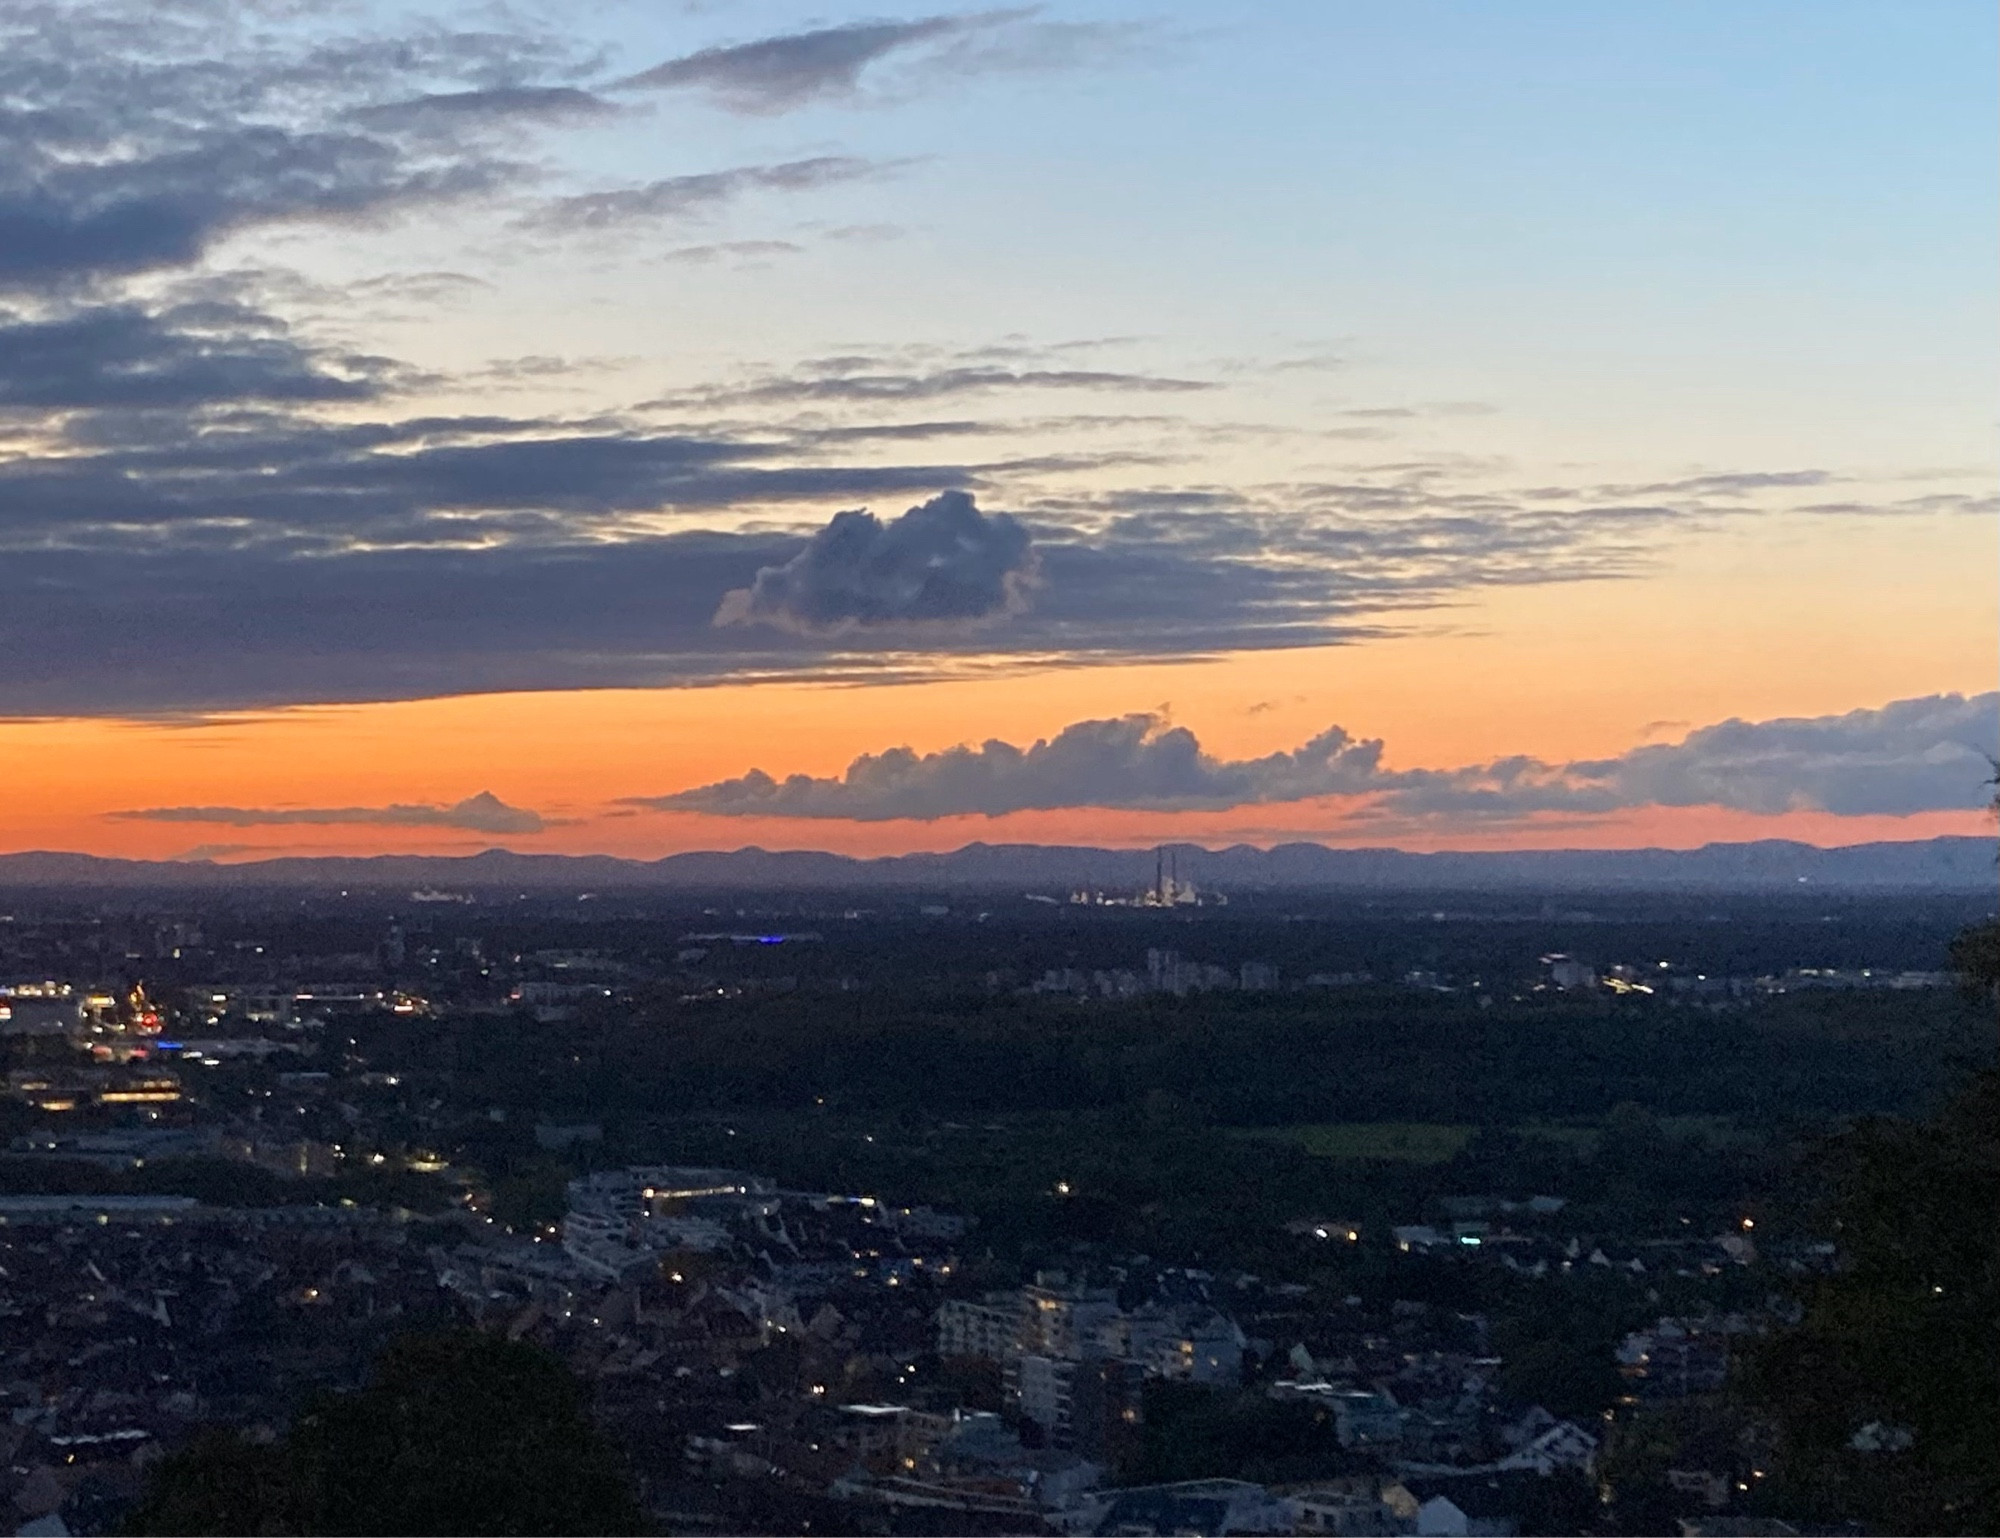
212, 499
237, 554
131, 142
483, 813
1911, 756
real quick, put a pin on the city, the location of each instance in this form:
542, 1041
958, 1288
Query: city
850, 1215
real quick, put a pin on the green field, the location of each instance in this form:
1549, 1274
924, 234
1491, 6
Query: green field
1716, 1131
1417, 1142
1412, 1142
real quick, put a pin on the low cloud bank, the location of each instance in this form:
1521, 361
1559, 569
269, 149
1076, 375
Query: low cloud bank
483, 813
1917, 755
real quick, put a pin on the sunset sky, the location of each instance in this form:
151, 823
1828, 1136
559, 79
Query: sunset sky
1448, 425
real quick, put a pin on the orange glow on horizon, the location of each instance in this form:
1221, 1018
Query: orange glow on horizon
1579, 671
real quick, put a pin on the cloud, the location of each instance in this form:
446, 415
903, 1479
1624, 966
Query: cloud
132, 214
166, 212
681, 197
181, 356
242, 556
1916, 755
943, 563
483, 813
776, 74
1910, 756
747, 250
205, 852
779, 74
1132, 761
132, 142
843, 387
453, 111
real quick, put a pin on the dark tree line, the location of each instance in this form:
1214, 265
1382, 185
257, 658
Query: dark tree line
455, 1432
1885, 1399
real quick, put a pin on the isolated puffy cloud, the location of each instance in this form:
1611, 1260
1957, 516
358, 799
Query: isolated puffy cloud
942, 563
483, 813
1911, 756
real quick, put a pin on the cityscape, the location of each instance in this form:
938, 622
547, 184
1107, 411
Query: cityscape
855, 1244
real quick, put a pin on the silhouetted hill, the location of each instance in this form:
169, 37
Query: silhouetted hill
1939, 864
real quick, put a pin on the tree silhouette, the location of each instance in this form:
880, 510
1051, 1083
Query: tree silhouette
458, 1432
1885, 1397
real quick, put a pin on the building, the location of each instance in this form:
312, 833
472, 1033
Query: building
989, 1327
1565, 1445
1347, 1508
1090, 1407
1061, 1320
621, 1220
1213, 1506
1191, 1344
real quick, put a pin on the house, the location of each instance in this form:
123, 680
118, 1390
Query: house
1442, 1516
1367, 1420
1211, 1507
1469, 1505
1565, 1445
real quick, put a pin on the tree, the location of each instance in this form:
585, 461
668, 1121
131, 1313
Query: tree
1885, 1397
457, 1432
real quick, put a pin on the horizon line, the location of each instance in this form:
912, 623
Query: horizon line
981, 844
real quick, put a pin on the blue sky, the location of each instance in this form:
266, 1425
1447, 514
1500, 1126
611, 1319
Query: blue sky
1689, 233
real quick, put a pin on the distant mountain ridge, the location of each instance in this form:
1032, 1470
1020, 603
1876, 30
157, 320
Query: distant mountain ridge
1938, 864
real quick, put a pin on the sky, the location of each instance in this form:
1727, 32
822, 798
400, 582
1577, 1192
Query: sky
638, 427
